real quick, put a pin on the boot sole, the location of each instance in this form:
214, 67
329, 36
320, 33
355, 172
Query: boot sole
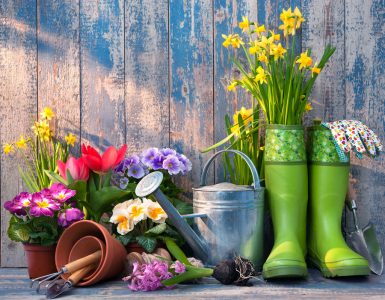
285, 272
341, 271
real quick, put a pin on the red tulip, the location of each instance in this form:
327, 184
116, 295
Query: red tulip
77, 168
110, 159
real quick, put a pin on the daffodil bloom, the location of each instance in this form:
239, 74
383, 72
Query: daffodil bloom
263, 58
304, 60
308, 107
244, 24
227, 41
260, 29
254, 47
275, 36
47, 113
246, 114
277, 51
42, 130
265, 42
70, 139
137, 211
154, 211
261, 76
315, 70
231, 86
7, 148
236, 41
299, 19
21, 143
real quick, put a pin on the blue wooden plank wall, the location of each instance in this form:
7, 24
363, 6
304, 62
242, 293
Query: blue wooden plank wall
154, 73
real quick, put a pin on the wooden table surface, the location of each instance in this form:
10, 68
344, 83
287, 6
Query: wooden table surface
14, 284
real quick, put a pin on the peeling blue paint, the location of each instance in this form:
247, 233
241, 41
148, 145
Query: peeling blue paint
358, 79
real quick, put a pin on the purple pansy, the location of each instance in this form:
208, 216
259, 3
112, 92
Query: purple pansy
157, 162
186, 164
172, 165
42, 205
135, 171
69, 216
148, 277
130, 161
167, 151
148, 156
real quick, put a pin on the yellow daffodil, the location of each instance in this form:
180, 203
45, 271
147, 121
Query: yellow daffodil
261, 76
70, 139
227, 41
291, 20
260, 29
246, 114
21, 143
308, 107
154, 211
42, 130
254, 47
263, 58
299, 19
47, 113
277, 51
275, 36
236, 41
7, 148
265, 42
315, 70
304, 61
244, 24
231, 86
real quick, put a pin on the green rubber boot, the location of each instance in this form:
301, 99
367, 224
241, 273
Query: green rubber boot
328, 183
287, 192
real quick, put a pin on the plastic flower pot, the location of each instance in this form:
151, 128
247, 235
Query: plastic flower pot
40, 259
112, 263
83, 247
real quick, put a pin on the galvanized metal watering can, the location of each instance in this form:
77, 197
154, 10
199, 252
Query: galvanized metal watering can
228, 217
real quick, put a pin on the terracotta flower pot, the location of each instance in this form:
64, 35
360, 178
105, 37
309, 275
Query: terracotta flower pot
40, 259
83, 247
112, 262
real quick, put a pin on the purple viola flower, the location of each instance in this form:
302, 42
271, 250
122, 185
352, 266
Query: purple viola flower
167, 151
179, 267
172, 165
148, 277
120, 168
185, 163
157, 162
130, 161
43, 205
62, 195
69, 216
135, 171
148, 156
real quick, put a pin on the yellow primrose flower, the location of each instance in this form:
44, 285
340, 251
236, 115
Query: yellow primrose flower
299, 19
7, 148
308, 107
70, 139
21, 143
137, 211
304, 60
261, 76
47, 113
125, 223
263, 58
278, 51
275, 36
245, 24
315, 70
260, 29
154, 211
232, 86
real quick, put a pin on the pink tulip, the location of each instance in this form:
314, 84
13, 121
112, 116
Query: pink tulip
77, 168
110, 159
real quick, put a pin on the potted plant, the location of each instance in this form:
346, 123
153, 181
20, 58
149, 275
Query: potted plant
37, 221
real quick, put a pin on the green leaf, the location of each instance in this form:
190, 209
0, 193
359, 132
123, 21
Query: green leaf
81, 189
124, 239
190, 274
107, 179
158, 229
18, 231
176, 251
69, 176
148, 243
55, 177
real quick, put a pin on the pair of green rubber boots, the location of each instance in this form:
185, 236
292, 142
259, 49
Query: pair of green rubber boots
301, 227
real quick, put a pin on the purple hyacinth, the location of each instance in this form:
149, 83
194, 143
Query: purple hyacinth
69, 216
148, 277
42, 205
172, 165
148, 156
179, 267
135, 171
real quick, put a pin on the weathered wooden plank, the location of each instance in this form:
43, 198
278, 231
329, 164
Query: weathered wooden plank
146, 71
102, 72
191, 75
18, 103
227, 15
365, 94
58, 63
324, 24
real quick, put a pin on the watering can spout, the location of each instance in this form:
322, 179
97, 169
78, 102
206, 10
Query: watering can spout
150, 185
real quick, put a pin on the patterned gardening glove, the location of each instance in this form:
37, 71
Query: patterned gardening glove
350, 135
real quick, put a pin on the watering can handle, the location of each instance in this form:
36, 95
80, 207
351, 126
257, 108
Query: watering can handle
253, 170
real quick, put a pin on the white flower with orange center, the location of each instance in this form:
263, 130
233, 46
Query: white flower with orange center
137, 211
154, 211
122, 218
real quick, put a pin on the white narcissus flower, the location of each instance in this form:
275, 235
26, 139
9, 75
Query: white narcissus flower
137, 211
154, 211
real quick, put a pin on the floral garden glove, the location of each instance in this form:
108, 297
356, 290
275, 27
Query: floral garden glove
350, 135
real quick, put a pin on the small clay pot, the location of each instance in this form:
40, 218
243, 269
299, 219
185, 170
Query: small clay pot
40, 259
115, 253
86, 246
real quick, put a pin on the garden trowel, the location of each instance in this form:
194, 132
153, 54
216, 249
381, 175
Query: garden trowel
364, 241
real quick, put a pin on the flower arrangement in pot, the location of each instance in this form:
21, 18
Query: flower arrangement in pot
142, 222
